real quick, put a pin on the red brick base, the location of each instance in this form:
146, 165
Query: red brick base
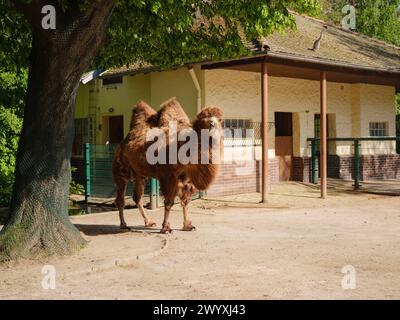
236, 178
372, 167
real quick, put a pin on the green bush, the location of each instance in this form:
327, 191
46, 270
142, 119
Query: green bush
75, 187
10, 128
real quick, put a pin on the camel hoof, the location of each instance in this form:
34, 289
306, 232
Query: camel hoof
166, 229
188, 226
124, 227
150, 224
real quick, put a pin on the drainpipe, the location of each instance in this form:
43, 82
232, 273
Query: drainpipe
198, 88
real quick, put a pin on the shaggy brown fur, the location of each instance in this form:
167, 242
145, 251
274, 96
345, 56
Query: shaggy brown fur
130, 161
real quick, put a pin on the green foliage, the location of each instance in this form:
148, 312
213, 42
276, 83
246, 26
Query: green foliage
379, 19
13, 90
398, 103
10, 127
15, 39
75, 187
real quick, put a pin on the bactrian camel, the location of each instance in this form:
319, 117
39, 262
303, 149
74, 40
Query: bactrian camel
176, 179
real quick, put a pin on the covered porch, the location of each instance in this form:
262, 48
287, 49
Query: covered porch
302, 98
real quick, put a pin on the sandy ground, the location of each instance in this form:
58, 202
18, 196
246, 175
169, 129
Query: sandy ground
293, 248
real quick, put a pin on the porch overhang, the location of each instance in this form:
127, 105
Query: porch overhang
292, 66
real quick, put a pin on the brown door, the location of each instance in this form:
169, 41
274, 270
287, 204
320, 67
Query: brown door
115, 129
284, 144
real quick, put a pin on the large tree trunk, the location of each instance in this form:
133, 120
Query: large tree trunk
38, 222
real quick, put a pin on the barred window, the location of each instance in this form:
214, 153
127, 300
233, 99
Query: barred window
81, 136
233, 124
378, 129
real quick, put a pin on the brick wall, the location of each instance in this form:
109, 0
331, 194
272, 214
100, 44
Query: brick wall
372, 167
301, 169
340, 167
236, 178
380, 167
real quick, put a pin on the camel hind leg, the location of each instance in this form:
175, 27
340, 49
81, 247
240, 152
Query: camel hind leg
138, 198
185, 193
121, 184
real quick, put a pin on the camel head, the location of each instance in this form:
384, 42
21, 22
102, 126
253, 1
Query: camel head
209, 118
203, 174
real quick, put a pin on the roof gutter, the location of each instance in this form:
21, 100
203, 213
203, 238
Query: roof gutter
197, 86
331, 63
283, 58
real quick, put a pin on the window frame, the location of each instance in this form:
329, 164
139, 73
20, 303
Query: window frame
378, 129
238, 123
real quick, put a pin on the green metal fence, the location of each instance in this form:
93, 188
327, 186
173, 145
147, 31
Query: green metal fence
98, 175
353, 143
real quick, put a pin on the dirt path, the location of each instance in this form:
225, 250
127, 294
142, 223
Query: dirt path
244, 252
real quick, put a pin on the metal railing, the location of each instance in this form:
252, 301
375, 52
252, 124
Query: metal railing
357, 152
98, 175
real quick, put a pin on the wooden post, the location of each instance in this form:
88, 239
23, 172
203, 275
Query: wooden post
264, 132
323, 136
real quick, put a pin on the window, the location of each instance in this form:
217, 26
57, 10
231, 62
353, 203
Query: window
378, 129
235, 124
81, 136
112, 81
330, 124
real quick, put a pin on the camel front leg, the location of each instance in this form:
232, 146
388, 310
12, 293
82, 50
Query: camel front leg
166, 227
138, 198
121, 184
185, 195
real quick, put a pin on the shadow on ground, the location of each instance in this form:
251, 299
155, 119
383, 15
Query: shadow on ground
98, 229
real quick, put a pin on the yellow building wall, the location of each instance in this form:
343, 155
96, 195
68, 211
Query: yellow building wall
238, 93
377, 105
177, 83
82, 102
121, 98
154, 88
